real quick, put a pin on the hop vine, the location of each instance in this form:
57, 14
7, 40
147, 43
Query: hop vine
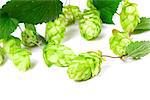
80, 67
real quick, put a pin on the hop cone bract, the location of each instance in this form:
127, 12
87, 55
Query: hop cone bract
90, 24
118, 42
59, 55
129, 16
85, 66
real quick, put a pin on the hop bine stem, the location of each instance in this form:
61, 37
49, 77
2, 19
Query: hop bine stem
110, 56
117, 13
20, 28
121, 57
38, 45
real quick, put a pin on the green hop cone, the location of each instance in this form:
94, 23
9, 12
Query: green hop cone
1, 56
29, 36
10, 43
90, 4
58, 55
119, 41
21, 58
55, 30
129, 16
85, 66
71, 14
90, 24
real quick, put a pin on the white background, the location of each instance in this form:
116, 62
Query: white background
118, 80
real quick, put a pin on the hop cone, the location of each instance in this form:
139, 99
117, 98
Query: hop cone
13, 42
1, 55
129, 17
21, 58
118, 42
71, 14
90, 24
58, 55
55, 30
85, 66
30, 37
90, 4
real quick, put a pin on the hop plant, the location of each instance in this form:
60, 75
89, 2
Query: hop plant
85, 66
90, 24
129, 16
55, 30
71, 14
59, 55
118, 42
1, 56
30, 37
21, 58
90, 4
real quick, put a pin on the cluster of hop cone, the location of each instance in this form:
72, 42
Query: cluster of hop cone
80, 67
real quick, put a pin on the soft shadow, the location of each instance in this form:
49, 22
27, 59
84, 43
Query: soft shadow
33, 64
104, 69
102, 34
70, 34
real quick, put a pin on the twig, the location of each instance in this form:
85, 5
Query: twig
38, 45
20, 28
122, 57
117, 13
110, 56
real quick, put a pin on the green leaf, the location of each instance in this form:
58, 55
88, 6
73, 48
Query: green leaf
33, 11
107, 8
138, 49
143, 26
7, 26
0, 12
